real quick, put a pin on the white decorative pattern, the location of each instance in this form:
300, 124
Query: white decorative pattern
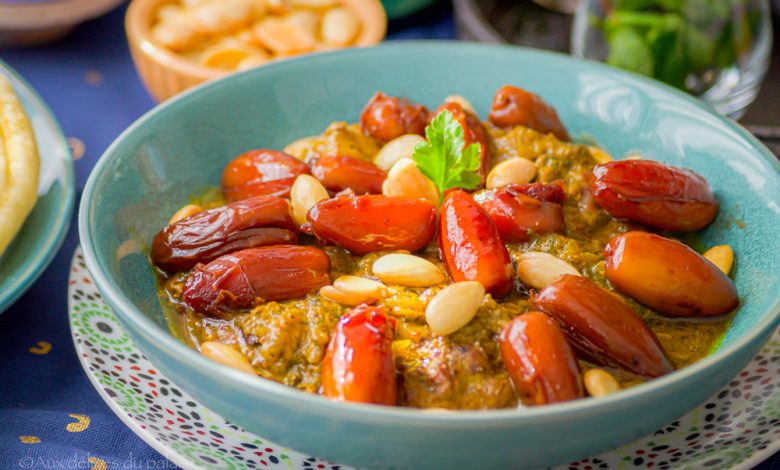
735, 429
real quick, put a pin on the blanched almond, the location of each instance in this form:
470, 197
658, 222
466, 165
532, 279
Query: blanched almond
170, 11
222, 56
539, 270
217, 16
339, 26
514, 171
226, 355
721, 256
306, 191
407, 270
463, 102
304, 19
184, 212
260, 8
345, 298
360, 286
177, 33
599, 383
454, 307
278, 7
282, 37
395, 150
253, 61
314, 4
405, 179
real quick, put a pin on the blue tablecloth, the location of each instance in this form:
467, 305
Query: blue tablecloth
91, 85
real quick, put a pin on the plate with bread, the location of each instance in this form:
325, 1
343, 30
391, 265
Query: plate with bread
36, 186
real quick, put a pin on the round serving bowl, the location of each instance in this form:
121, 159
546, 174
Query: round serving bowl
166, 73
181, 147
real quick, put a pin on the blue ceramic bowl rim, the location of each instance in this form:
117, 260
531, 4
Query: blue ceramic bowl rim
168, 344
40, 261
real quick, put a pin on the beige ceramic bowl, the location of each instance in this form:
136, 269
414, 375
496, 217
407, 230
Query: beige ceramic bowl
33, 23
166, 73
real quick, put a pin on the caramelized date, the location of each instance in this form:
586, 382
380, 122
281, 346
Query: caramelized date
603, 327
668, 276
517, 215
363, 224
358, 364
339, 173
246, 278
658, 195
387, 117
261, 173
206, 235
539, 360
545, 192
473, 132
471, 246
514, 106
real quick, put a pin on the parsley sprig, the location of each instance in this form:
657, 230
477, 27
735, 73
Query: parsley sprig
445, 159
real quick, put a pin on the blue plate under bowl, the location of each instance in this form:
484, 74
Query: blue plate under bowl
181, 147
44, 230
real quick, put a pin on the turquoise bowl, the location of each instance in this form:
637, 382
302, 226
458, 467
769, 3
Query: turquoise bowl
44, 230
181, 146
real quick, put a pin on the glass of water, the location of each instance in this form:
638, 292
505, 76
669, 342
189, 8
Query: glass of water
718, 50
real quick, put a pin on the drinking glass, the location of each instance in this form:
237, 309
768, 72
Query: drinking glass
718, 50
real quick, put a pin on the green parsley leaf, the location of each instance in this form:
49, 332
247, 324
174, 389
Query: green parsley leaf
444, 160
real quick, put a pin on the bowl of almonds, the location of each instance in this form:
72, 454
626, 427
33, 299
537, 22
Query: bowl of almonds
177, 44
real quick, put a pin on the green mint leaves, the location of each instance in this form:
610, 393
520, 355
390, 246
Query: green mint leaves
445, 159
678, 41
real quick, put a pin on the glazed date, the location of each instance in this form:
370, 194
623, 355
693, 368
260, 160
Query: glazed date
246, 278
363, 224
602, 327
261, 173
358, 364
470, 245
387, 117
517, 214
668, 276
338, 173
473, 132
202, 237
539, 360
654, 194
545, 192
514, 106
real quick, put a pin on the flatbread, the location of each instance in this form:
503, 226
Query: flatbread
19, 165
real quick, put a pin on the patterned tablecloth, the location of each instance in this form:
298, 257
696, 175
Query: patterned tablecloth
50, 415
